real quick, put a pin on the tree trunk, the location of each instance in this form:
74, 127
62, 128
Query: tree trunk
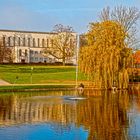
63, 61
63, 56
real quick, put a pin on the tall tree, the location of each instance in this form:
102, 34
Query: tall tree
63, 43
106, 57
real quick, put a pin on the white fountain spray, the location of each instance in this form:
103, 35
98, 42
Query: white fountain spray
77, 52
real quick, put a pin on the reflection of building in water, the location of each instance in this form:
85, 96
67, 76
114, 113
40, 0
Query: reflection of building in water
14, 110
105, 117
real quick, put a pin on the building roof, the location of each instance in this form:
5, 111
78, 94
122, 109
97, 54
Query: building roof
21, 31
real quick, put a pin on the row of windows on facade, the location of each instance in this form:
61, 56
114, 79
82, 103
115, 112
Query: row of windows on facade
41, 59
31, 42
31, 52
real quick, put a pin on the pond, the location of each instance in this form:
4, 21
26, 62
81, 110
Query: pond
69, 115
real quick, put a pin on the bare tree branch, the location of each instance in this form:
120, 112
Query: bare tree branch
5, 53
127, 17
64, 43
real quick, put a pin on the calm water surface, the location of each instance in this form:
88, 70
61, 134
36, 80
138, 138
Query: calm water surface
57, 115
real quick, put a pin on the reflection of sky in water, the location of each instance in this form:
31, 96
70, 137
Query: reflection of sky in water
134, 129
59, 115
42, 132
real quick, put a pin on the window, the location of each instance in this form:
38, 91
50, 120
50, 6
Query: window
26, 53
29, 42
3, 40
36, 52
43, 42
19, 41
14, 41
31, 51
9, 43
33, 42
47, 42
24, 41
38, 42
20, 52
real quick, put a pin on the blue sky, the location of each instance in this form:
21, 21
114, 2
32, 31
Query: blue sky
42, 15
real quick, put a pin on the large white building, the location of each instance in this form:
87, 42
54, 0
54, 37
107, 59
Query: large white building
28, 46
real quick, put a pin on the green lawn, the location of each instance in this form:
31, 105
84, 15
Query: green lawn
23, 74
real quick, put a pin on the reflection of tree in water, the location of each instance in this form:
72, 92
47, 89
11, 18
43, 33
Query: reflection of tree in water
104, 114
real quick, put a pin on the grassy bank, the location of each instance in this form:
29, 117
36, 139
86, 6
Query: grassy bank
34, 74
35, 87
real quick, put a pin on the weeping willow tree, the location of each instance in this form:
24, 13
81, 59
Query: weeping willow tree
106, 57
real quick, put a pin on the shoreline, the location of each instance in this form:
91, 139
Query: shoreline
22, 88
51, 87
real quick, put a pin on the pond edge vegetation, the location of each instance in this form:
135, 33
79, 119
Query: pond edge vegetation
26, 88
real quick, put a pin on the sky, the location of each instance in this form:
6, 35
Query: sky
42, 15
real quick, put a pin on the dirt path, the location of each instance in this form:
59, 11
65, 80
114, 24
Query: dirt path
2, 82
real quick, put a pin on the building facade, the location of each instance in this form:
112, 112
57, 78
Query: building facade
27, 46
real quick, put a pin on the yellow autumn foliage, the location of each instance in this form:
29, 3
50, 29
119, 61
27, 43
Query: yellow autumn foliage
106, 57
